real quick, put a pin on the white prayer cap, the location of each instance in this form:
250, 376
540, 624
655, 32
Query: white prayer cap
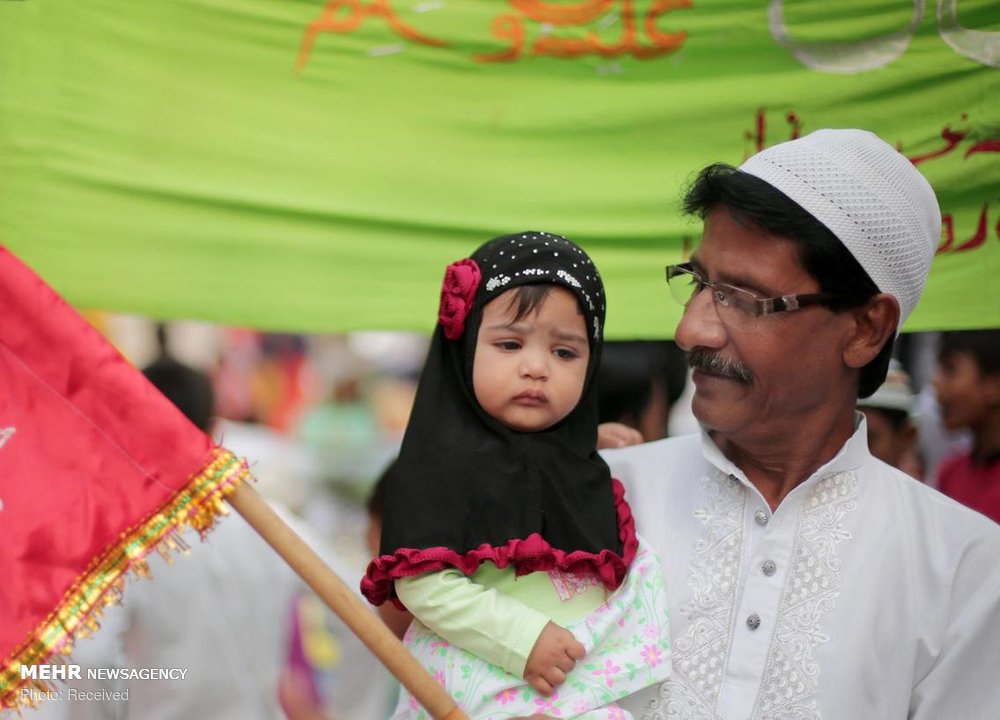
895, 393
868, 195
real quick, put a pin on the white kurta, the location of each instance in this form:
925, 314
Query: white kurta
866, 595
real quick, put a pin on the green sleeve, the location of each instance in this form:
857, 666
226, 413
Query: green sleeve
490, 624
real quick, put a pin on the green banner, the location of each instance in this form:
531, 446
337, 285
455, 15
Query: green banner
308, 165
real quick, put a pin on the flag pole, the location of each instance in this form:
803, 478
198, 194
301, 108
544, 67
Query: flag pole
335, 593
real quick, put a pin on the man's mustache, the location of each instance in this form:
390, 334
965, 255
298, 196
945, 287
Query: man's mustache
715, 364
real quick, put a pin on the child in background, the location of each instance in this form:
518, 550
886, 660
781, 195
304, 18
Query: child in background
892, 434
967, 382
503, 531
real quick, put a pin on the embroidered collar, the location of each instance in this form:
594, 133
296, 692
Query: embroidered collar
851, 456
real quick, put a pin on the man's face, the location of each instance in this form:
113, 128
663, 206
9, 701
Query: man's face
965, 394
529, 373
780, 368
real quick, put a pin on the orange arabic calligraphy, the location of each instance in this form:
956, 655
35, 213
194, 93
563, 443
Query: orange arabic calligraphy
510, 27
357, 12
578, 14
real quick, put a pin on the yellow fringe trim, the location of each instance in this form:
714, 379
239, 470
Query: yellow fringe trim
196, 505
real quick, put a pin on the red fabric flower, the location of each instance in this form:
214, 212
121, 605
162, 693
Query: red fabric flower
461, 280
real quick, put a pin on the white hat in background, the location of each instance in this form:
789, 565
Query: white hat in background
895, 393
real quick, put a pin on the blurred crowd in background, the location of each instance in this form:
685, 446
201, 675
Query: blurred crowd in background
324, 414
319, 418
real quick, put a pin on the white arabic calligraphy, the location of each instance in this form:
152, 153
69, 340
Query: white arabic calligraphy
850, 57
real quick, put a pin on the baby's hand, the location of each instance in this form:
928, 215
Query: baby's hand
553, 656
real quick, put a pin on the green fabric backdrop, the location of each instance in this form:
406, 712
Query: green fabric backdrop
300, 165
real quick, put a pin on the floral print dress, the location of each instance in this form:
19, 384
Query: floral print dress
628, 649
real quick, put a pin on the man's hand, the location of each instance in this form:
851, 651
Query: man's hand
555, 653
616, 435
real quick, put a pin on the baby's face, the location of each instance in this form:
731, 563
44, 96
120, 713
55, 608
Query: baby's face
529, 374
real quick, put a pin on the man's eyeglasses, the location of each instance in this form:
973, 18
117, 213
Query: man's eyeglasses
732, 301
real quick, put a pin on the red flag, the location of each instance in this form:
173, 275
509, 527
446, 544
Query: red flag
97, 470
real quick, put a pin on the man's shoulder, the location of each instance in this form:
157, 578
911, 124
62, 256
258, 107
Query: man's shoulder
657, 477
936, 514
681, 446
656, 462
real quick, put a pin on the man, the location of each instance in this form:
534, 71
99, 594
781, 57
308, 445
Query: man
808, 579
967, 383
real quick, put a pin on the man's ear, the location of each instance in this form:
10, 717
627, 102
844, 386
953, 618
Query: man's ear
874, 325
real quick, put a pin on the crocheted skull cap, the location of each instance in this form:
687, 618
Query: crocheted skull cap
868, 195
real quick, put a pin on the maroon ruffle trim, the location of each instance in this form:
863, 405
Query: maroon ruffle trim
528, 555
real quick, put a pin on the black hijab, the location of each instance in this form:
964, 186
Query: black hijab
466, 488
